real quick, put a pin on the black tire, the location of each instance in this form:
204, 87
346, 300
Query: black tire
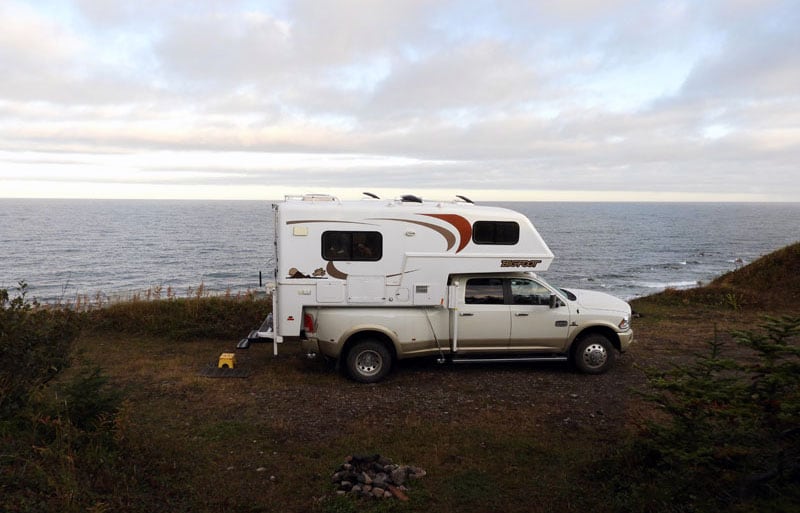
368, 361
594, 354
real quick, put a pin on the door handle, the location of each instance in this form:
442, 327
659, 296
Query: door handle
465, 314
520, 314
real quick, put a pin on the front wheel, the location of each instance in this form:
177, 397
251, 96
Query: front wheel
368, 361
594, 354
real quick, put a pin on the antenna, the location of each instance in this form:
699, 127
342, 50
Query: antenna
375, 196
464, 198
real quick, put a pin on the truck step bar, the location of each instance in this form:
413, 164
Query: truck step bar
509, 359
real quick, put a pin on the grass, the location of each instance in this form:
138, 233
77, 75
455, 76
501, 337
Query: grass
177, 441
202, 444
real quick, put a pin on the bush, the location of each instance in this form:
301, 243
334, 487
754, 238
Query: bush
34, 347
58, 436
185, 318
730, 434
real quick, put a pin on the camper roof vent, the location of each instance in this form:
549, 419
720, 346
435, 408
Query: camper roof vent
374, 196
318, 197
410, 198
464, 198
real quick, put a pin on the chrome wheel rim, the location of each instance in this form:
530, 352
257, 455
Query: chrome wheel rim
594, 356
369, 362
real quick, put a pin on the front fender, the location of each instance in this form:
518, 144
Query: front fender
608, 330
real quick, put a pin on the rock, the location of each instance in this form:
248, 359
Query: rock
261, 469
373, 476
399, 476
379, 480
416, 473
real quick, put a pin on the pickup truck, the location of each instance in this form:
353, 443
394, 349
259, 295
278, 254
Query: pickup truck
488, 317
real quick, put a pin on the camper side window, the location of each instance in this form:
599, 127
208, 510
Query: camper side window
504, 233
352, 246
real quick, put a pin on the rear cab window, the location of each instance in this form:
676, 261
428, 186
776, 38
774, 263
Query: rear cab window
484, 291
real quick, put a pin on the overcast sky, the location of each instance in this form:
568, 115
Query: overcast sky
510, 100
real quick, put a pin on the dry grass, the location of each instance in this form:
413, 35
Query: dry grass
492, 438
508, 438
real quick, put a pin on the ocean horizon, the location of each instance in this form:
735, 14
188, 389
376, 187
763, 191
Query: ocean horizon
68, 248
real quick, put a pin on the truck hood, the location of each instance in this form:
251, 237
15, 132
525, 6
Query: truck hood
600, 301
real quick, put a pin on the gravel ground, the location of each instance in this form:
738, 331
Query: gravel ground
550, 395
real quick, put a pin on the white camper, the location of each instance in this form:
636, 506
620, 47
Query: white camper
390, 252
370, 281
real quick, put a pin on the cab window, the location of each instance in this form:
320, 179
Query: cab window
529, 292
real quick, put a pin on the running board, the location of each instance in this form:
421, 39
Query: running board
511, 359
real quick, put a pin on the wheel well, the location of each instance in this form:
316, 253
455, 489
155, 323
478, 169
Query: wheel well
608, 333
377, 336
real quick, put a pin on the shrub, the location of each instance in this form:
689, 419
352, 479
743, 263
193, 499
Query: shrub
184, 319
34, 347
57, 436
730, 431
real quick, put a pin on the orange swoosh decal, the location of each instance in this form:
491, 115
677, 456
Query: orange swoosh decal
460, 223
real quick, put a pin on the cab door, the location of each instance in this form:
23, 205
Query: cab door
534, 325
484, 320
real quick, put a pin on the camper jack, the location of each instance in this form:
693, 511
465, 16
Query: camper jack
264, 332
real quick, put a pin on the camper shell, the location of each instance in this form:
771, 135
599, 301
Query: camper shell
389, 253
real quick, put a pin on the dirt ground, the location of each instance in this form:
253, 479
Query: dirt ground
293, 419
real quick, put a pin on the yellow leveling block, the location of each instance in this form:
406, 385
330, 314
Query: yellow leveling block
227, 361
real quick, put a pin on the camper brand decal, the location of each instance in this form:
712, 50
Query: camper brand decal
519, 263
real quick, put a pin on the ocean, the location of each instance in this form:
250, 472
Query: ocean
113, 249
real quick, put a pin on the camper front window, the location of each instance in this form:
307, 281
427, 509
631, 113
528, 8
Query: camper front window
504, 233
352, 246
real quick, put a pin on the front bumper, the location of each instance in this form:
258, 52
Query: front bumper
625, 340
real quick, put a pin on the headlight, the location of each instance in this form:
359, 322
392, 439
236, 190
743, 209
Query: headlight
625, 323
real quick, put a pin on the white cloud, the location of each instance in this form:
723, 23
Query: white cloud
627, 98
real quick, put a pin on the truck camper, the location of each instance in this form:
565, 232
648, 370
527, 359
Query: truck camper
370, 281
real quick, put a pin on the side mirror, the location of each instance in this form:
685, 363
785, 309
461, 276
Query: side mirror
554, 302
